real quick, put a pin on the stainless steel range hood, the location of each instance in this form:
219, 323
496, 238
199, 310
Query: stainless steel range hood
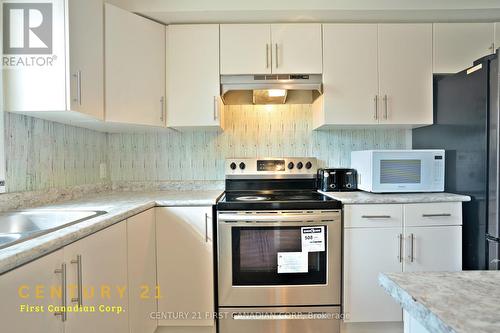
271, 88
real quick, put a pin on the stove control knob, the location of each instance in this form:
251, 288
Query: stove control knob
308, 165
300, 165
291, 165
242, 166
233, 166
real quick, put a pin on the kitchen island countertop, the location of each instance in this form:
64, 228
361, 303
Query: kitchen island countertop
448, 302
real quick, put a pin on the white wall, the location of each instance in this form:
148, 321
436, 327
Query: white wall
2, 118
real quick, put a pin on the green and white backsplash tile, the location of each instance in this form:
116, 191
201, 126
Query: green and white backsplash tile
283, 130
43, 154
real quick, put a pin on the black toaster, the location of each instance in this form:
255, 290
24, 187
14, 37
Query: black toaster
337, 180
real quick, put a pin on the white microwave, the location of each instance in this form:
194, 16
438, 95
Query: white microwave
385, 171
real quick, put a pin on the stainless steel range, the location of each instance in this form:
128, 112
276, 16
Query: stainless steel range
279, 249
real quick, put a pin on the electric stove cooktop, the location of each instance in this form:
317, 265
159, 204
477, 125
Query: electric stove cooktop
282, 200
273, 184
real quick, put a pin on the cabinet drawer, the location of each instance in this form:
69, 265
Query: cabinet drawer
367, 216
429, 214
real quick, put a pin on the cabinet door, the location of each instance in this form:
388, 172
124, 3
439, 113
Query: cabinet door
193, 76
368, 252
141, 254
103, 280
245, 49
19, 287
185, 263
497, 35
86, 57
458, 45
350, 75
433, 249
296, 48
135, 68
405, 73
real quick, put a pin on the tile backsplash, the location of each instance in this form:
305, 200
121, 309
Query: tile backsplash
43, 154
263, 130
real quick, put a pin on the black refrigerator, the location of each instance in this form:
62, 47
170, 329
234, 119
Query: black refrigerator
466, 125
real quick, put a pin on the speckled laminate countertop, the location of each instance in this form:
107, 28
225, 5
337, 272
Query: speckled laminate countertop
360, 197
449, 302
118, 205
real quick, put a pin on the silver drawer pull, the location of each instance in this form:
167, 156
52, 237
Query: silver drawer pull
376, 216
436, 215
63, 312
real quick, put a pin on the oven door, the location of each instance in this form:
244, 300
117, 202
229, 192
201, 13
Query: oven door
262, 261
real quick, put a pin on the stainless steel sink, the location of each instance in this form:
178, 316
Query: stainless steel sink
20, 226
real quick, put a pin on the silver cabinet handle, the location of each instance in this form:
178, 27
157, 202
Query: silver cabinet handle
78, 263
400, 256
436, 215
375, 216
276, 55
162, 108
267, 55
206, 228
412, 247
375, 115
78, 77
62, 271
386, 115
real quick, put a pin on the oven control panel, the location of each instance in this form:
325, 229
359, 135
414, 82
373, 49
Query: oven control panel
278, 167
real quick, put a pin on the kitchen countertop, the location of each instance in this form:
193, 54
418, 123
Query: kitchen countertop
118, 205
449, 302
361, 197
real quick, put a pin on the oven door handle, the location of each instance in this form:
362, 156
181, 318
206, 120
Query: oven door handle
233, 218
281, 316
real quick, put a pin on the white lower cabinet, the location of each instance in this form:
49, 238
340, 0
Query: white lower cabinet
97, 272
141, 254
369, 251
30, 285
394, 238
185, 266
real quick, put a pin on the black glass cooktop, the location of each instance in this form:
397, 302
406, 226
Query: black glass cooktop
283, 200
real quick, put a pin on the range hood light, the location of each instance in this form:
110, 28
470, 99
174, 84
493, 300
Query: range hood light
276, 92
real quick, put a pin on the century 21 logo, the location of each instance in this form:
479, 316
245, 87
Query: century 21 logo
27, 28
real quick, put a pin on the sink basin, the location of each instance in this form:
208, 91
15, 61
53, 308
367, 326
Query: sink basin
20, 226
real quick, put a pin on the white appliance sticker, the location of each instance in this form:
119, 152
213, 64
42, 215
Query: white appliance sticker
292, 262
313, 239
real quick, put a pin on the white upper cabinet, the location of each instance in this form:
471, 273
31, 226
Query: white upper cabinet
296, 48
86, 64
135, 68
375, 74
405, 74
51, 86
458, 45
350, 78
270, 49
245, 49
193, 79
